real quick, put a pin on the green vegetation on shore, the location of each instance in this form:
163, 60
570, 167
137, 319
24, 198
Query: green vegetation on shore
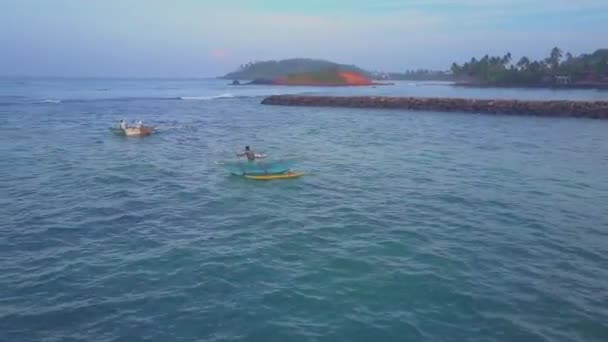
321, 77
274, 69
555, 70
559, 69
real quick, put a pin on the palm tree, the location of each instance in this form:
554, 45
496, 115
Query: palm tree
473, 66
506, 58
523, 63
466, 68
555, 57
535, 66
544, 64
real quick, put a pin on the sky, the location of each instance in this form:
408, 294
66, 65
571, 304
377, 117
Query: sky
200, 38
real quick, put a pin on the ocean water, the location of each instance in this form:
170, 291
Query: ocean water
410, 226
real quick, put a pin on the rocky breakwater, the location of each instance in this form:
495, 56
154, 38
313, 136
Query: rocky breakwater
582, 109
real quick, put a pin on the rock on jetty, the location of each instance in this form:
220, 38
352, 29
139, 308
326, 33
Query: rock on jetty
579, 109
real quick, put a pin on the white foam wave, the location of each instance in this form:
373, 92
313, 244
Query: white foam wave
222, 96
48, 101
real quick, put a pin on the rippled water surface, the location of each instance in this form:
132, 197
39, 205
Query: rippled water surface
411, 226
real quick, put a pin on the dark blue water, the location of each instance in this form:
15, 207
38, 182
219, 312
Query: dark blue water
411, 226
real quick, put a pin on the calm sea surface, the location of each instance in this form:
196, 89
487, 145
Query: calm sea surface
411, 226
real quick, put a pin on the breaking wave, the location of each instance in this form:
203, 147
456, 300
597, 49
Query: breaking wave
48, 101
23, 100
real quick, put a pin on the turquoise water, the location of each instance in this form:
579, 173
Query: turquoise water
412, 226
262, 166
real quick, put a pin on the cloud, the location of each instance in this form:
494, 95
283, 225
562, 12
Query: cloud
219, 54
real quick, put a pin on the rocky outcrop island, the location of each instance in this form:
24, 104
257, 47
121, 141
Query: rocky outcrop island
301, 72
328, 78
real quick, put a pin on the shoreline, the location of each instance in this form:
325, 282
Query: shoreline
556, 108
308, 83
587, 86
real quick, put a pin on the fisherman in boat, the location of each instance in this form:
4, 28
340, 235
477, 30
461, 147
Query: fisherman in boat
250, 154
138, 130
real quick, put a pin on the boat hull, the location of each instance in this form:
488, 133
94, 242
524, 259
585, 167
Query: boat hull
288, 175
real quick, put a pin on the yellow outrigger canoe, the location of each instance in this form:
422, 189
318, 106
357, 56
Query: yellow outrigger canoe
287, 175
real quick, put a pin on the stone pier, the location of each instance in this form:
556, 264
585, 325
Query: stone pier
552, 108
